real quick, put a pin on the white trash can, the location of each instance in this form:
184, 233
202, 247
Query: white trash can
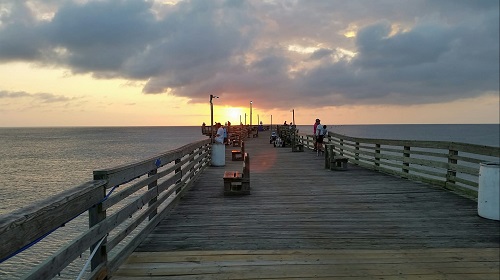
218, 154
488, 196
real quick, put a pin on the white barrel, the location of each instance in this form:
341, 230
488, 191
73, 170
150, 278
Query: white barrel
218, 154
488, 197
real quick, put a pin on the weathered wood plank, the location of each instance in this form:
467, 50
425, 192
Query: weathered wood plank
276, 264
25, 225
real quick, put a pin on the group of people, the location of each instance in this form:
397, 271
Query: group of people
320, 132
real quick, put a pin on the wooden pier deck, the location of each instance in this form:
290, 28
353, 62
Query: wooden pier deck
302, 221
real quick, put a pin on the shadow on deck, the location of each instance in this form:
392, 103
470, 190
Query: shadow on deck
303, 221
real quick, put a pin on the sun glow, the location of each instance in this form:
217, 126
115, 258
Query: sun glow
232, 114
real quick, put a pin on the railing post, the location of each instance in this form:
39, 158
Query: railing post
328, 155
178, 170
151, 186
341, 149
406, 154
191, 171
377, 155
96, 215
356, 155
451, 173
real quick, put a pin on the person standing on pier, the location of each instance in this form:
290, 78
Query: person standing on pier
320, 135
219, 137
314, 133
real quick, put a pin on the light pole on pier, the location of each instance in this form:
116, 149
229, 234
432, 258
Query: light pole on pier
212, 118
250, 113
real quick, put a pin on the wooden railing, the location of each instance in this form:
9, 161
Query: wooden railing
124, 204
451, 165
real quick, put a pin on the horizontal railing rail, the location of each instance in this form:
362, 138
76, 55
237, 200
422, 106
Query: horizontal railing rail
124, 204
451, 165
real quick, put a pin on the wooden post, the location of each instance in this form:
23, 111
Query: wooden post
341, 145
192, 168
96, 215
451, 173
356, 155
377, 153
328, 155
406, 154
178, 170
152, 185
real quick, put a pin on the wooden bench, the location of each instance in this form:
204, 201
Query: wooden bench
334, 161
255, 133
297, 147
238, 154
339, 163
236, 141
236, 182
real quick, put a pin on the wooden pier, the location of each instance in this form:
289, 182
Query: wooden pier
393, 213
302, 221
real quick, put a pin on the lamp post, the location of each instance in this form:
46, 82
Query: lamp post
251, 113
212, 118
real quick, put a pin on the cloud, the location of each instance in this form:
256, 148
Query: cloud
13, 94
40, 97
363, 52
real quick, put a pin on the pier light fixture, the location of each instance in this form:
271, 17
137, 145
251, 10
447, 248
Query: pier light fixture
251, 113
212, 117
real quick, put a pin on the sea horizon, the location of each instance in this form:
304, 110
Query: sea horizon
300, 124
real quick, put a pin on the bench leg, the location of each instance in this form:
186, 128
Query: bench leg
236, 186
339, 165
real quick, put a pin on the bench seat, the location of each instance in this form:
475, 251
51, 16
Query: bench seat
237, 155
339, 163
298, 148
236, 182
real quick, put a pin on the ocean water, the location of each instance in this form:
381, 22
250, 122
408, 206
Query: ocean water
36, 163
39, 162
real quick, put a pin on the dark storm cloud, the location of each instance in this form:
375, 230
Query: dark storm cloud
405, 52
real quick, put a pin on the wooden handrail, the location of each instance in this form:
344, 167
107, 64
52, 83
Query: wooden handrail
451, 165
142, 193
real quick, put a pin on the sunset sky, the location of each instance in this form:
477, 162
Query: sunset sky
155, 63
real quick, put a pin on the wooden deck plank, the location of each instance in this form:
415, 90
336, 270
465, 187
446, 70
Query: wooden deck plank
387, 264
302, 221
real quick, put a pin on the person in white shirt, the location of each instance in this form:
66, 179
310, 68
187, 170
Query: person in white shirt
320, 135
219, 137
